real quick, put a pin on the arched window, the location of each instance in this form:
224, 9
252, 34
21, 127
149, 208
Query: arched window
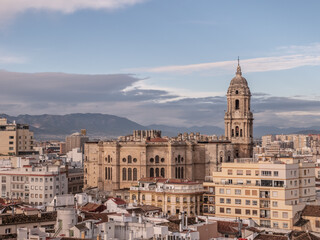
179, 158
162, 172
237, 91
151, 160
106, 173
162, 160
157, 159
182, 173
240, 132
232, 132
124, 159
157, 172
237, 131
134, 197
129, 159
124, 174
182, 159
178, 172
135, 174
109, 173
229, 159
143, 197
237, 104
151, 172
109, 159
221, 159
129, 174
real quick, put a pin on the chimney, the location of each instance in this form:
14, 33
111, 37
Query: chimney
186, 221
180, 227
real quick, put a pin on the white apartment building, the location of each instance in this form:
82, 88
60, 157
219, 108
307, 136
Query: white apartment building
35, 184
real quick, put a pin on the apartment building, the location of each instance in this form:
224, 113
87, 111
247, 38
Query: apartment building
36, 184
15, 139
270, 191
172, 195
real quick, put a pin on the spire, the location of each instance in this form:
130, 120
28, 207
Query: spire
238, 68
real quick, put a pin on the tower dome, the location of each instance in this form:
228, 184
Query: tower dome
239, 83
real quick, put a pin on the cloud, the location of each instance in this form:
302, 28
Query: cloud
10, 8
286, 57
124, 95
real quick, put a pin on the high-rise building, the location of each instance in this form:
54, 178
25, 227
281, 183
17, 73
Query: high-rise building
76, 140
15, 139
270, 192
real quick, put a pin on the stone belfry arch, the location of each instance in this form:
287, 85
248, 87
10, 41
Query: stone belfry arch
238, 117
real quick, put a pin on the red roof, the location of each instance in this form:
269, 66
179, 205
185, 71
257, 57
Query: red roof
118, 201
92, 207
157, 139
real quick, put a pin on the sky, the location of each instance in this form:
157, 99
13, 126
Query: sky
161, 61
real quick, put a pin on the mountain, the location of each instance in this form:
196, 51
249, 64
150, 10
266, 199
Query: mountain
102, 126
59, 126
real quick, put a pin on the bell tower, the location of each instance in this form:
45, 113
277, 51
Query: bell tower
238, 117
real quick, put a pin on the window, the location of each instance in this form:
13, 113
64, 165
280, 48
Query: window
254, 212
135, 174
275, 224
285, 225
275, 204
135, 160
228, 210
247, 192
229, 171
157, 159
257, 172
254, 202
237, 105
228, 200
248, 212
275, 214
129, 174
7, 230
274, 194
265, 173
129, 159
162, 172
237, 211
239, 172
237, 191
124, 174
228, 191
221, 200
317, 224
248, 172
248, 202
157, 172
221, 210
221, 190
177, 199
284, 215
275, 173
151, 172
237, 201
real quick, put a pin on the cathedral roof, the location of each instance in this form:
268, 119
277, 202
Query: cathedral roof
238, 79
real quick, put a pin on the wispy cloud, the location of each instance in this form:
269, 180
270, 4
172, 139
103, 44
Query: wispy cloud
287, 57
11, 59
10, 8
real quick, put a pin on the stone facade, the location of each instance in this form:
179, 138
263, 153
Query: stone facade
113, 165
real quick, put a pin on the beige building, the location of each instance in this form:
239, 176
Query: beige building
15, 139
76, 140
112, 165
270, 191
172, 195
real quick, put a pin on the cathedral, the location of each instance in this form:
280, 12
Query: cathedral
119, 164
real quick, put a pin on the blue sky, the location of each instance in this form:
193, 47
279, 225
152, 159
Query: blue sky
176, 58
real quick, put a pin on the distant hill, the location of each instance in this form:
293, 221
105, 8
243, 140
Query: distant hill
102, 126
59, 126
